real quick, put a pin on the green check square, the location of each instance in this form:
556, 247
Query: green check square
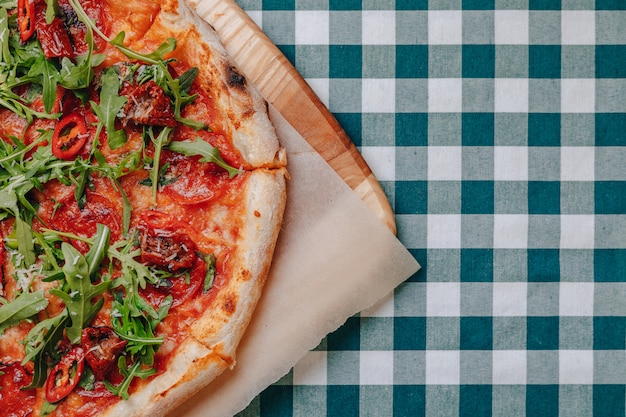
544, 129
411, 197
544, 61
577, 197
409, 400
509, 333
609, 400
444, 129
575, 400
477, 163
476, 301
610, 5
343, 400
609, 264
411, 129
409, 333
478, 26
412, 27
510, 265
375, 399
576, 265
412, 61
343, 367
578, 129
542, 400
345, 61
544, 95
476, 265
477, 231
477, 129
442, 400
477, 197
544, 197
609, 129
544, 232
543, 333
475, 400
544, 4
610, 61
279, 4
411, 4
478, 4
478, 61
476, 333
510, 197
344, 4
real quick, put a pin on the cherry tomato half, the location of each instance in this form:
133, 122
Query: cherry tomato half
65, 375
69, 136
26, 18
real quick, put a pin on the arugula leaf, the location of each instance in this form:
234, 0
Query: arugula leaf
154, 57
159, 142
81, 292
204, 149
40, 342
110, 105
129, 373
210, 271
22, 307
49, 77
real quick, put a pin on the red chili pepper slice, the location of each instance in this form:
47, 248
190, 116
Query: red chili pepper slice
26, 18
65, 375
69, 136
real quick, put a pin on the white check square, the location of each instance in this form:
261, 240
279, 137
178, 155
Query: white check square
312, 27
510, 231
445, 27
443, 367
511, 95
510, 163
578, 27
576, 299
577, 231
379, 27
445, 163
443, 299
445, 95
443, 231
376, 367
576, 367
578, 95
378, 95
510, 299
578, 163
509, 367
511, 27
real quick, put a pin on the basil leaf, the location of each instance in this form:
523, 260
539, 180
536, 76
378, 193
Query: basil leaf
154, 57
204, 149
210, 272
22, 307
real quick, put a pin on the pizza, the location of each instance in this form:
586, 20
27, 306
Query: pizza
142, 189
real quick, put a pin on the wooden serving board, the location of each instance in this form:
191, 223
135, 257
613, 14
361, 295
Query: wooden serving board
283, 87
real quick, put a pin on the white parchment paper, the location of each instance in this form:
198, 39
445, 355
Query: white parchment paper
334, 258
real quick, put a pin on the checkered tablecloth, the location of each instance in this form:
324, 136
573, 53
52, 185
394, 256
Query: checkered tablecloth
497, 128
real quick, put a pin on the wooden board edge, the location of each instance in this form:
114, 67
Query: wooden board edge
283, 87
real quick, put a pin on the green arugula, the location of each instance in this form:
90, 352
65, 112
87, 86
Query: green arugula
129, 373
160, 142
80, 292
23, 307
204, 149
110, 105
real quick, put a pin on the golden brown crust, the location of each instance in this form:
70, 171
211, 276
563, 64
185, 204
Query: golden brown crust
240, 105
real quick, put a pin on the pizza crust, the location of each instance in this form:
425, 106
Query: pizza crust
240, 102
221, 328
214, 337
190, 369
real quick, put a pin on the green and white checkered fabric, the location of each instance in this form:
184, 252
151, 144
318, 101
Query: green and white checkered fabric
498, 131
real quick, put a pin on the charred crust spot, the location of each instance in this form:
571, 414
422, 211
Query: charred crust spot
230, 304
235, 79
256, 213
